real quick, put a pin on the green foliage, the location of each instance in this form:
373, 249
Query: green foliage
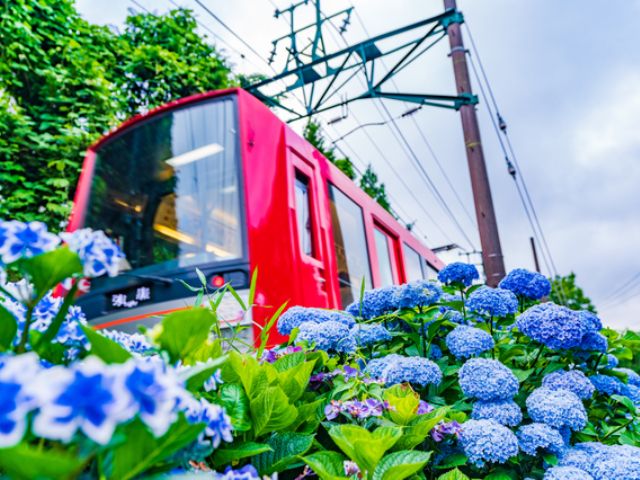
64, 82
564, 291
370, 184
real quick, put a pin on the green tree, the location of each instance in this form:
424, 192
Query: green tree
564, 291
64, 82
376, 190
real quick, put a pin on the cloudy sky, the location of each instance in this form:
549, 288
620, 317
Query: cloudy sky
566, 76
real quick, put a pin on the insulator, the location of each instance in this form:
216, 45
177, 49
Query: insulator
501, 123
510, 168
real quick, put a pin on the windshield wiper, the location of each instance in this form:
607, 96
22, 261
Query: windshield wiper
153, 278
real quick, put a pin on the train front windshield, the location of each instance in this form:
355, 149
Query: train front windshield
168, 189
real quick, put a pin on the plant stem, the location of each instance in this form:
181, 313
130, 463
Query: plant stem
22, 346
537, 356
464, 309
618, 429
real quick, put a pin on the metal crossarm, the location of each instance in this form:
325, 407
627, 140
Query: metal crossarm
322, 76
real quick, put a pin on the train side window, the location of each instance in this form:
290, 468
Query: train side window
350, 244
430, 273
303, 214
413, 264
384, 250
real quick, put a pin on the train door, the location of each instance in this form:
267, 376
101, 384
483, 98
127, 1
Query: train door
388, 257
311, 230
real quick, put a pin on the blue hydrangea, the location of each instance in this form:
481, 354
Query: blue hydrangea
505, 412
17, 396
295, 316
375, 303
552, 325
494, 302
633, 378
248, 472
574, 380
594, 342
420, 293
370, 334
590, 321
612, 361
557, 408
394, 369
486, 441
540, 436
328, 336
458, 273
89, 397
604, 462
135, 343
218, 424
530, 285
435, 352
99, 254
24, 240
566, 473
465, 341
487, 379
609, 385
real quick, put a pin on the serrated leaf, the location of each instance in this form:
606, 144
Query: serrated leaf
400, 465
454, 474
236, 404
231, 455
271, 411
47, 270
419, 428
286, 448
327, 465
185, 331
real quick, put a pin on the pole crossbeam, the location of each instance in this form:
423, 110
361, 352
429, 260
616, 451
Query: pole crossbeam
348, 62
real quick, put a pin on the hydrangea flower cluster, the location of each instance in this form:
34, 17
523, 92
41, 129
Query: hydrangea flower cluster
296, 316
458, 273
504, 412
566, 473
24, 240
493, 302
445, 429
374, 303
487, 380
557, 408
394, 369
329, 336
573, 380
464, 341
248, 472
537, 437
99, 254
273, 354
218, 424
370, 407
367, 334
420, 293
526, 284
552, 325
134, 343
609, 385
633, 378
486, 441
604, 462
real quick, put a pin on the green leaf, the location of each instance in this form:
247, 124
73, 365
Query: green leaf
271, 411
26, 462
327, 465
266, 330
309, 416
185, 331
236, 404
454, 474
231, 455
286, 447
287, 362
400, 465
404, 402
141, 451
453, 460
500, 475
522, 375
419, 428
49, 269
195, 376
252, 287
294, 381
550, 458
363, 447
8, 328
105, 348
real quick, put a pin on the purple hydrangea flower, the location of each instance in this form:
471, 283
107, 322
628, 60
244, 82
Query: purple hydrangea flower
465, 341
487, 379
505, 412
540, 436
486, 441
445, 429
296, 316
557, 408
494, 302
552, 325
574, 380
530, 285
350, 468
458, 273
424, 408
248, 472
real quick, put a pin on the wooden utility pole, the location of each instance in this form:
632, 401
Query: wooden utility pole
535, 254
487, 226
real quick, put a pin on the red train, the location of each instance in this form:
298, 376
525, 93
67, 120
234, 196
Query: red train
217, 181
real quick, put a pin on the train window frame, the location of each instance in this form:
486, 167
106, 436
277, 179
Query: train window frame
391, 242
301, 178
408, 250
334, 192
